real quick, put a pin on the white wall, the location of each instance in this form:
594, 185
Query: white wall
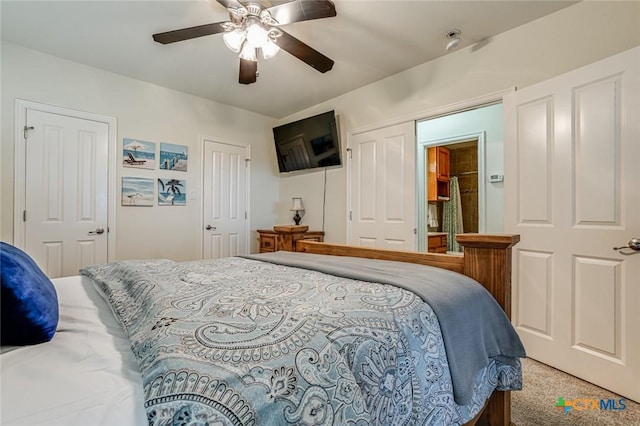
565, 40
147, 112
310, 185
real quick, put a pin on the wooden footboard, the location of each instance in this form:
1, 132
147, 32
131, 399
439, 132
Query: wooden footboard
486, 259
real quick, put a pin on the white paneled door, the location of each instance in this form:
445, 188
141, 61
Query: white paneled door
572, 149
382, 188
225, 200
65, 192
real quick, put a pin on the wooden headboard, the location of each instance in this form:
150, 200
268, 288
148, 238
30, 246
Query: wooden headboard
486, 259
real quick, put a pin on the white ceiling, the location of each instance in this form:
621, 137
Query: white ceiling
368, 40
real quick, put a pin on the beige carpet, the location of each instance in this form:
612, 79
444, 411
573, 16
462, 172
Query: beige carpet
543, 385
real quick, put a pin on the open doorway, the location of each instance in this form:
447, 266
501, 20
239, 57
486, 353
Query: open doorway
457, 213
452, 193
468, 147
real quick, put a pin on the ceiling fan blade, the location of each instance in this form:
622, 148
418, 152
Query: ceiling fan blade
189, 33
302, 10
248, 71
304, 52
231, 4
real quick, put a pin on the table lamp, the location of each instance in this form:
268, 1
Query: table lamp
296, 206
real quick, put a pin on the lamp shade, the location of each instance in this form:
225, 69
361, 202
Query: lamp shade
256, 35
248, 52
296, 204
269, 49
234, 39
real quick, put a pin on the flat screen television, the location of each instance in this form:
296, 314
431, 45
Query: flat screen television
308, 143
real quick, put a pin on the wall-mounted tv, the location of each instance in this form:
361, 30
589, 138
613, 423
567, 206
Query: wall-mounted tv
308, 143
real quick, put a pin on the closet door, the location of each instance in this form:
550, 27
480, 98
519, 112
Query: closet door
382, 188
225, 201
66, 190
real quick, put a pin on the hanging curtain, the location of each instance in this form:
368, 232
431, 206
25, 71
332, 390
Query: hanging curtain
452, 215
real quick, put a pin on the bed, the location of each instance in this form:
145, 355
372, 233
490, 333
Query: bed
277, 338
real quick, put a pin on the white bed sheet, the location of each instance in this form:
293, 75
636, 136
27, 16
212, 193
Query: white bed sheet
86, 375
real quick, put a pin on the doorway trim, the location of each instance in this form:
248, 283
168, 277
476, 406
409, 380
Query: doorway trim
19, 181
421, 172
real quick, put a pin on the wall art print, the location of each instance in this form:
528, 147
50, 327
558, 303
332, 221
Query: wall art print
140, 154
173, 157
137, 191
172, 192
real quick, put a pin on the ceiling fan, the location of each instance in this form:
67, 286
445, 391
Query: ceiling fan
254, 26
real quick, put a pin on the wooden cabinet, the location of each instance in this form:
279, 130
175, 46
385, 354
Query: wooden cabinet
284, 237
437, 242
442, 163
438, 170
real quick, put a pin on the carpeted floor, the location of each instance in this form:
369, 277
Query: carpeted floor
543, 385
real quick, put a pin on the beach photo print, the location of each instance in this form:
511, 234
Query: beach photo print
137, 192
137, 153
173, 157
172, 192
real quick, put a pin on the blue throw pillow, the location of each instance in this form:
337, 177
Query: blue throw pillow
29, 300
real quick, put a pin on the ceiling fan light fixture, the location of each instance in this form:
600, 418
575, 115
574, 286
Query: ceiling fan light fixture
234, 39
248, 52
256, 35
454, 39
269, 49
251, 33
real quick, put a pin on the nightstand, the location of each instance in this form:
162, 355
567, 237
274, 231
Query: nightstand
284, 237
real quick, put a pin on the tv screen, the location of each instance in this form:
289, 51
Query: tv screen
308, 143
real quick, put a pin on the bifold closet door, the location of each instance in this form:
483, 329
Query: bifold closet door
382, 188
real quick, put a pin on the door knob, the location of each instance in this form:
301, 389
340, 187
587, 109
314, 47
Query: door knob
97, 231
209, 227
633, 244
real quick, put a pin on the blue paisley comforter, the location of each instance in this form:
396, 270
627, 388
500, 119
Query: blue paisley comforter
240, 341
